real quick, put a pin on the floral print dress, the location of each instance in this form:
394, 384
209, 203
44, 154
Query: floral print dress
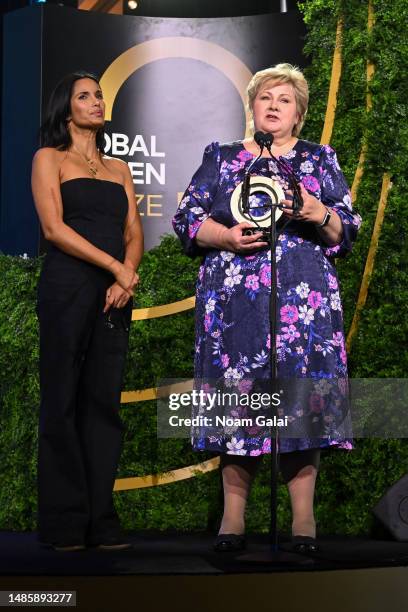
233, 297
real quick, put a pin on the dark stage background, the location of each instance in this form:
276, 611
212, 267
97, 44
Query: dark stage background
180, 86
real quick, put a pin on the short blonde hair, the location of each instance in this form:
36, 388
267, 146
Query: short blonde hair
281, 73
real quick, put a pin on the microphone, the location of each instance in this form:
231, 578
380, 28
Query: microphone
263, 139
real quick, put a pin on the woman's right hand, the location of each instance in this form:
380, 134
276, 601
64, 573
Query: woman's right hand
126, 277
233, 239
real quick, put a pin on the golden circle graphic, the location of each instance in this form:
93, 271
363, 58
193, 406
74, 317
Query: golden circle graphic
258, 184
144, 53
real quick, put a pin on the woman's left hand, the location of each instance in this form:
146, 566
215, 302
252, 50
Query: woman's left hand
313, 210
116, 297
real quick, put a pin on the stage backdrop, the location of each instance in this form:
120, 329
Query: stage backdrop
171, 86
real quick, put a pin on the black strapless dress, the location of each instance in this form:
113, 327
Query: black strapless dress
82, 356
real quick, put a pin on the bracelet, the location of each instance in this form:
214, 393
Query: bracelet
326, 219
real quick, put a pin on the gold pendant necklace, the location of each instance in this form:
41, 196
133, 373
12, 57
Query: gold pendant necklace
91, 163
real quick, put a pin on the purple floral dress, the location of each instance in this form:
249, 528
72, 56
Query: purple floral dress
233, 293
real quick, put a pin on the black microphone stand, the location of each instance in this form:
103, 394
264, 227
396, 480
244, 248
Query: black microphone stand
274, 555
246, 183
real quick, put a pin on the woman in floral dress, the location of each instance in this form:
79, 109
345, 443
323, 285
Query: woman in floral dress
234, 285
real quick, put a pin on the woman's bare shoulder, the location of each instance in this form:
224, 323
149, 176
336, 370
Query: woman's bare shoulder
114, 162
49, 156
115, 165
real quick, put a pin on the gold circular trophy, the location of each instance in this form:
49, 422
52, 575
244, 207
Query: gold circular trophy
258, 213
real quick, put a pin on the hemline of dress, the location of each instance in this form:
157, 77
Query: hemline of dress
345, 445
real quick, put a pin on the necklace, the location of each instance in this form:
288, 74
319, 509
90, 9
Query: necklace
91, 163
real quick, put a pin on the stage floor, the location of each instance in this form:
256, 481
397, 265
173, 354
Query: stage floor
188, 554
180, 572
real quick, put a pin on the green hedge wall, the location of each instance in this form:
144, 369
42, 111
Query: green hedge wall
349, 483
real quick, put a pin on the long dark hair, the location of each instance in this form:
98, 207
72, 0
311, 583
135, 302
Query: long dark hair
54, 130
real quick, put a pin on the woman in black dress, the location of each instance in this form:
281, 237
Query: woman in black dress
86, 205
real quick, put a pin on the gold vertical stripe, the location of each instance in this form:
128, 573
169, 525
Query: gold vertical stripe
386, 184
359, 173
370, 65
87, 5
334, 86
117, 8
369, 75
369, 266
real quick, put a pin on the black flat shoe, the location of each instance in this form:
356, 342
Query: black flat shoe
68, 548
109, 543
115, 546
304, 544
229, 542
63, 546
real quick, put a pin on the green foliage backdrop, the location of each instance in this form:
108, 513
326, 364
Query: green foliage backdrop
349, 483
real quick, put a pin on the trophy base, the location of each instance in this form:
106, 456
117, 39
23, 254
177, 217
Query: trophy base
265, 236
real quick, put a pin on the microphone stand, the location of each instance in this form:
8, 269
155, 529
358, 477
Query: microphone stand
246, 183
274, 555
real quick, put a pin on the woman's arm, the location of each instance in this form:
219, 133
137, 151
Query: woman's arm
47, 197
338, 236
332, 232
336, 196
116, 296
133, 228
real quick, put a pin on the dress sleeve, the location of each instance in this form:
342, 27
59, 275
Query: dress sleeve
335, 194
195, 206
